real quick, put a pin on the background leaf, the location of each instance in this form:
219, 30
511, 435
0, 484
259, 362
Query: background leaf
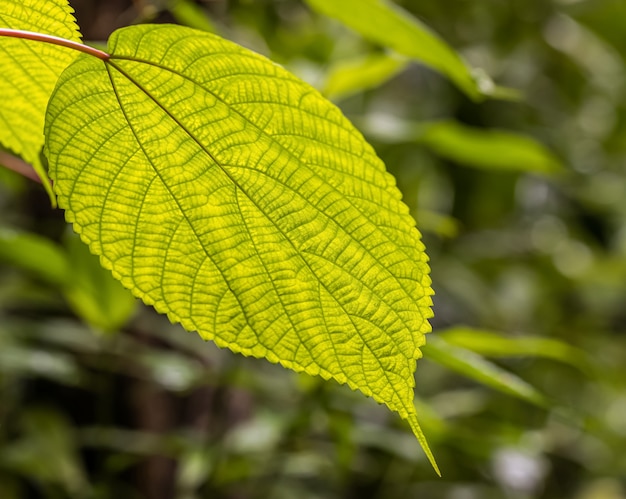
28, 73
35, 254
234, 198
389, 25
190, 14
474, 366
493, 344
348, 77
491, 149
93, 294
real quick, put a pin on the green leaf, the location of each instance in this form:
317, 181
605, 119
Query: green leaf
492, 344
481, 370
92, 293
34, 254
191, 14
29, 72
348, 77
391, 26
233, 197
90, 290
488, 149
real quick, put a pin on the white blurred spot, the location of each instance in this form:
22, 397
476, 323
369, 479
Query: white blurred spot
519, 470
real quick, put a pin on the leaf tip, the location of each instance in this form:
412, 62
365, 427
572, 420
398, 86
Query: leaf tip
421, 438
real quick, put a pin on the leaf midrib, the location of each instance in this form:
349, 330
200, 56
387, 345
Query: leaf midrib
158, 174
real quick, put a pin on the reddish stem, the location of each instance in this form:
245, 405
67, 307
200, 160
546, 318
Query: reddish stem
55, 40
18, 166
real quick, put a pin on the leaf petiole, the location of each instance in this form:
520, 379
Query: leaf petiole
55, 40
19, 166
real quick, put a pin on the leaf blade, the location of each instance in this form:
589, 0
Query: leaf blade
29, 72
290, 236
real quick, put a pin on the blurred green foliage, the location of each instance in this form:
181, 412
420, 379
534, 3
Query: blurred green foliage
529, 272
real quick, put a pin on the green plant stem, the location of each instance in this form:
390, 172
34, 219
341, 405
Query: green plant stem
55, 40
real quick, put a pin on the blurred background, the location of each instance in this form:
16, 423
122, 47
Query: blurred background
521, 201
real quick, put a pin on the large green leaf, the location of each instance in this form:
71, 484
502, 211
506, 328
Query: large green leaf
233, 197
388, 24
29, 72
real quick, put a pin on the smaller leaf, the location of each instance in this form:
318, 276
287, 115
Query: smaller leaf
488, 149
28, 73
346, 78
91, 291
391, 26
34, 254
474, 366
492, 344
190, 14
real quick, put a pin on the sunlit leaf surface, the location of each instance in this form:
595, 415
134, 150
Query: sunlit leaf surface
233, 197
29, 71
